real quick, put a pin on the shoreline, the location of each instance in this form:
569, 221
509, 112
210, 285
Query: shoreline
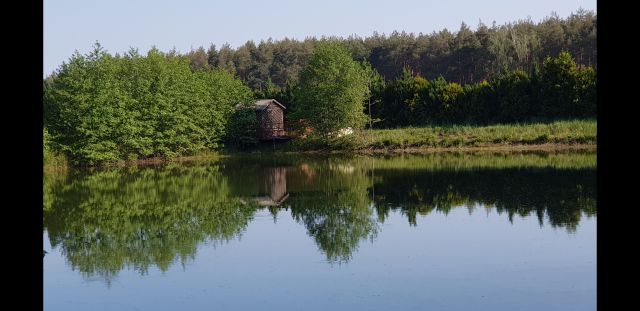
548, 147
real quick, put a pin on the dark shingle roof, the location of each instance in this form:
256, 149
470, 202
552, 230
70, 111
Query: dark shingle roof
262, 104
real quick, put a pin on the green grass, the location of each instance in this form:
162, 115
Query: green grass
574, 132
502, 135
55, 160
560, 132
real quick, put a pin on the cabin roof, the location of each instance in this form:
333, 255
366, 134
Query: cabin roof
262, 104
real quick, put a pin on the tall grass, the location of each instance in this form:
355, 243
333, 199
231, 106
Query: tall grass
55, 161
559, 132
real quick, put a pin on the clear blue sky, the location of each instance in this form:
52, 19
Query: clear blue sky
71, 25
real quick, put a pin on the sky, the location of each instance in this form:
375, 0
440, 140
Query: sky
71, 25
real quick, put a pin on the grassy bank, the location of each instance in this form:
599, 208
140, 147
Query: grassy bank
550, 135
554, 136
54, 161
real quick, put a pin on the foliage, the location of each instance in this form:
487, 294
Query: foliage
376, 85
567, 90
559, 90
283, 95
100, 108
243, 128
46, 140
50, 151
331, 91
586, 89
464, 56
559, 132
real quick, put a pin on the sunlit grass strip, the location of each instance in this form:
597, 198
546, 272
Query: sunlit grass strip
54, 161
560, 132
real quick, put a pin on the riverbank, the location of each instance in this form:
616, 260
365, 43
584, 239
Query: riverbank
488, 148
577, 135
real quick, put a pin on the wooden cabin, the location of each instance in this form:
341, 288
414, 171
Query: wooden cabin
270, 114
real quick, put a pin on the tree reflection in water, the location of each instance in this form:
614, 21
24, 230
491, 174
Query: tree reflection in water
138, 217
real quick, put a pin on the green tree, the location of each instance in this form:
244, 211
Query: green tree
512, 93
559, 81
332, 90
402, 99
586, 88
376, 86
212, 56
99, 108
242, 129
441, 101
464, 56
199, 59
225, 59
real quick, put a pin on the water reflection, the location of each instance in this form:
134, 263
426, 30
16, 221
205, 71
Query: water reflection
274, 185
560, 195
138, 217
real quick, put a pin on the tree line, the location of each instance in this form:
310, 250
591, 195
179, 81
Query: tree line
557, 89
101, 108
464, 56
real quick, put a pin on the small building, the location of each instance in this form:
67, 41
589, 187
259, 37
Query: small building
270, 114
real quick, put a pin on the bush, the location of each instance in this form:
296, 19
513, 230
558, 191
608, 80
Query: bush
100, 108
242, 128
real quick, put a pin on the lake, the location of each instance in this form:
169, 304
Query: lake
443, 231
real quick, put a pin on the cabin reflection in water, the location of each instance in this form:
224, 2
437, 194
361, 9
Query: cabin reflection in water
274, 187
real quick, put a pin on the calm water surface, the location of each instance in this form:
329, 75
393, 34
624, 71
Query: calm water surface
428, 232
